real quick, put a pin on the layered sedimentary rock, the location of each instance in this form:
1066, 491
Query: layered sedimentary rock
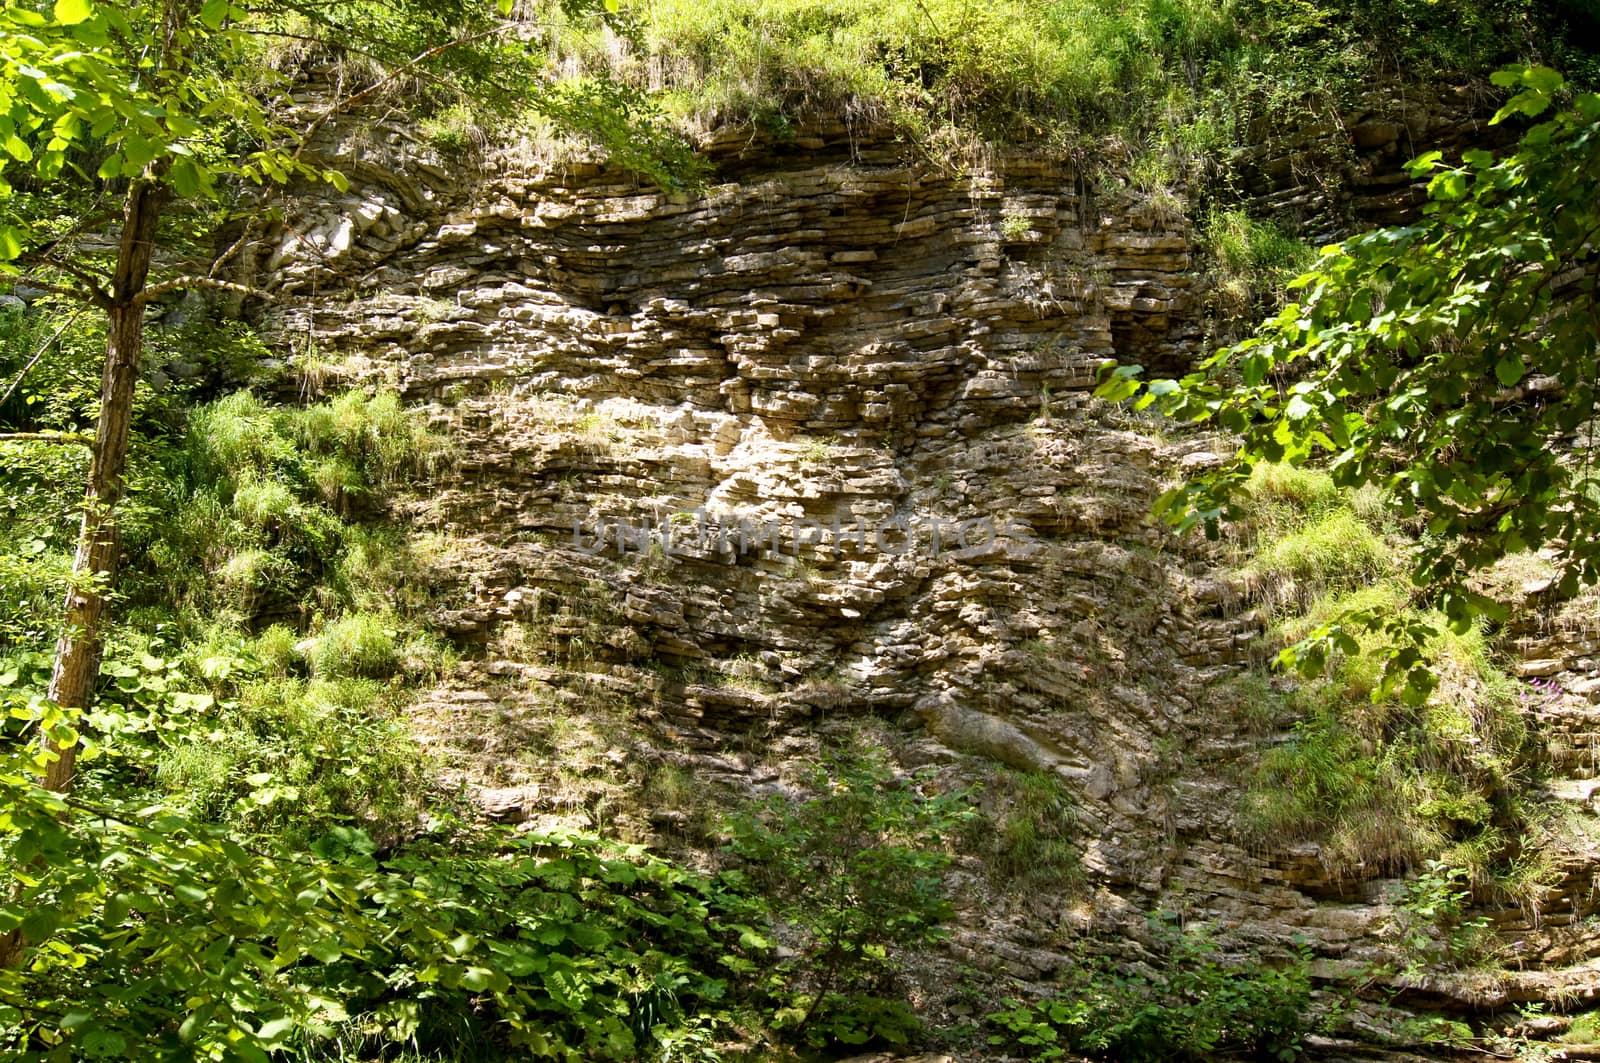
738, 470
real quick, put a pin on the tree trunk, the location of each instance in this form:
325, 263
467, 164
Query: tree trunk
94, 571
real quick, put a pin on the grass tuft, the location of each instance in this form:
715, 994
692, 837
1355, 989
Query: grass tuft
357, 645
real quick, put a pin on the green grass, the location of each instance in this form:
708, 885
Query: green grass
1584, 1030
1280, 497
358, 645
1158, 91
1248, 699
260, 509
1336, 551
1249, 263
1382, 785
1025, 834
1308, 490
1018, 69
275, 649
1299, 536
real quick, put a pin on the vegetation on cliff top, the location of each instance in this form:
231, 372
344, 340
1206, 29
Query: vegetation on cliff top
1183, 81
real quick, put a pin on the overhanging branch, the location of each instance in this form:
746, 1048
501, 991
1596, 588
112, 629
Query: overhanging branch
177, 284
80, 439
91, 291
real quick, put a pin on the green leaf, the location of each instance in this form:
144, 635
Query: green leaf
72, 12
189, 892
1298, 408
1508, 370
1449, 185
275, 1030
1121, 383
185, 177
40, 923
1416, 168
116, 910
586, 936
138, 151
1543, 79
103, 1044
478, 979
213, 12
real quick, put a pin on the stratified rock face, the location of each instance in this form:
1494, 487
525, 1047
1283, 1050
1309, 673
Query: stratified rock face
737, 469
853, 396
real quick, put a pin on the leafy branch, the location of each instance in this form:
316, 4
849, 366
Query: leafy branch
1451, 362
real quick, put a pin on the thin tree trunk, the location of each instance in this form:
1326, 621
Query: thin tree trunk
94, 571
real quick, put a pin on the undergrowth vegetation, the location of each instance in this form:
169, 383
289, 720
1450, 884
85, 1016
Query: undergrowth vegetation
1026, 833
249, 513
254, 860
1297, 537
1383, 784
1016, 70
1251, 263
855, 873
1190, 1002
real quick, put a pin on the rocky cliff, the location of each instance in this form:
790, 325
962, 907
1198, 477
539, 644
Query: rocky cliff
813, 453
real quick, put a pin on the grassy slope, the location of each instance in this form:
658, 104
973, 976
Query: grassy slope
1186, 74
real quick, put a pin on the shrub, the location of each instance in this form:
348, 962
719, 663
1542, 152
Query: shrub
1251, 260
1189, 1004
275, 649
373, 436
250, 510
856, 871
1382, 785
149, 934
1016, 69
294, 758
